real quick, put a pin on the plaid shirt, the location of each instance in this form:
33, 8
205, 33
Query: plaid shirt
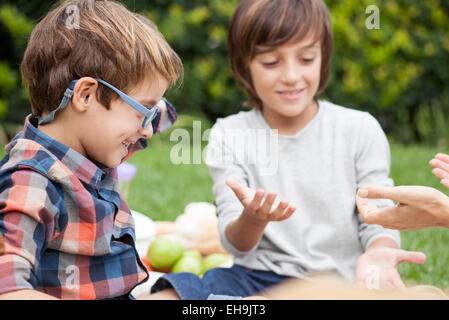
64, 228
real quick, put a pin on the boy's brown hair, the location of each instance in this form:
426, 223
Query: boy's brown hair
104, 41
271, 23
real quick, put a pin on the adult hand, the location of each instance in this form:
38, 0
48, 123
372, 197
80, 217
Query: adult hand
259, 208
418, 207
441, 168
377, 268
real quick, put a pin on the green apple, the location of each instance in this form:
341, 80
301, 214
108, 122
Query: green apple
194, 253
163, 253
188, 263
216, 260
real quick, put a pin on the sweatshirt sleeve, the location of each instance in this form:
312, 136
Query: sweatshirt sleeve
373, 168
223, 163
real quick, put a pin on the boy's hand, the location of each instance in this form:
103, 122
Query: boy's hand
378, 268
418, 207
257, 207
441, 165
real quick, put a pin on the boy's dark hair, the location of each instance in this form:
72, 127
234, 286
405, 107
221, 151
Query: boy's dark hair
96, 38
271, 23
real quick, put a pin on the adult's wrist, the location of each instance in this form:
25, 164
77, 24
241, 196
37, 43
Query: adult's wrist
443, 218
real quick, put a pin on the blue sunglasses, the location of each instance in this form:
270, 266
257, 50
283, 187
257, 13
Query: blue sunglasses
151, 115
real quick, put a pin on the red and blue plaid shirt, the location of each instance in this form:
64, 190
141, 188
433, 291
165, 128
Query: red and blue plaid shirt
64, 228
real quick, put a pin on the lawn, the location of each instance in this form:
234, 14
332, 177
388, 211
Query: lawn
162, 189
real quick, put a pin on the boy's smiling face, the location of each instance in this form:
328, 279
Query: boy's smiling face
104, 135
286, 80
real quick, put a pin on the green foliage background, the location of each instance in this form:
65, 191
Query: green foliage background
399, 72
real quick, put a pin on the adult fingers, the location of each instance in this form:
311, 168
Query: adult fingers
367, 209
380, 192
442, 156
391, 217
445, 182
437, 163
413, 195
440, 174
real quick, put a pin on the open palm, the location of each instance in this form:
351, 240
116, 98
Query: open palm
259, 207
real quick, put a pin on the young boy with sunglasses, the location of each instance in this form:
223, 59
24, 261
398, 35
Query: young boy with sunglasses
65, 231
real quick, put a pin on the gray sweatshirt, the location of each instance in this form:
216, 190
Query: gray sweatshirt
319, 170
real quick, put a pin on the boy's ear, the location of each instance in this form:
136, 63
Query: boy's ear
84, 93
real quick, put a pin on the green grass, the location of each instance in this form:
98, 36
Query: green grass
162, 189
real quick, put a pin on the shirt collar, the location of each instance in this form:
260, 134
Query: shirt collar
83, 168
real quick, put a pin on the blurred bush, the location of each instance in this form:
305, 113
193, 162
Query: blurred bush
398, 73
14, 30
197, 30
